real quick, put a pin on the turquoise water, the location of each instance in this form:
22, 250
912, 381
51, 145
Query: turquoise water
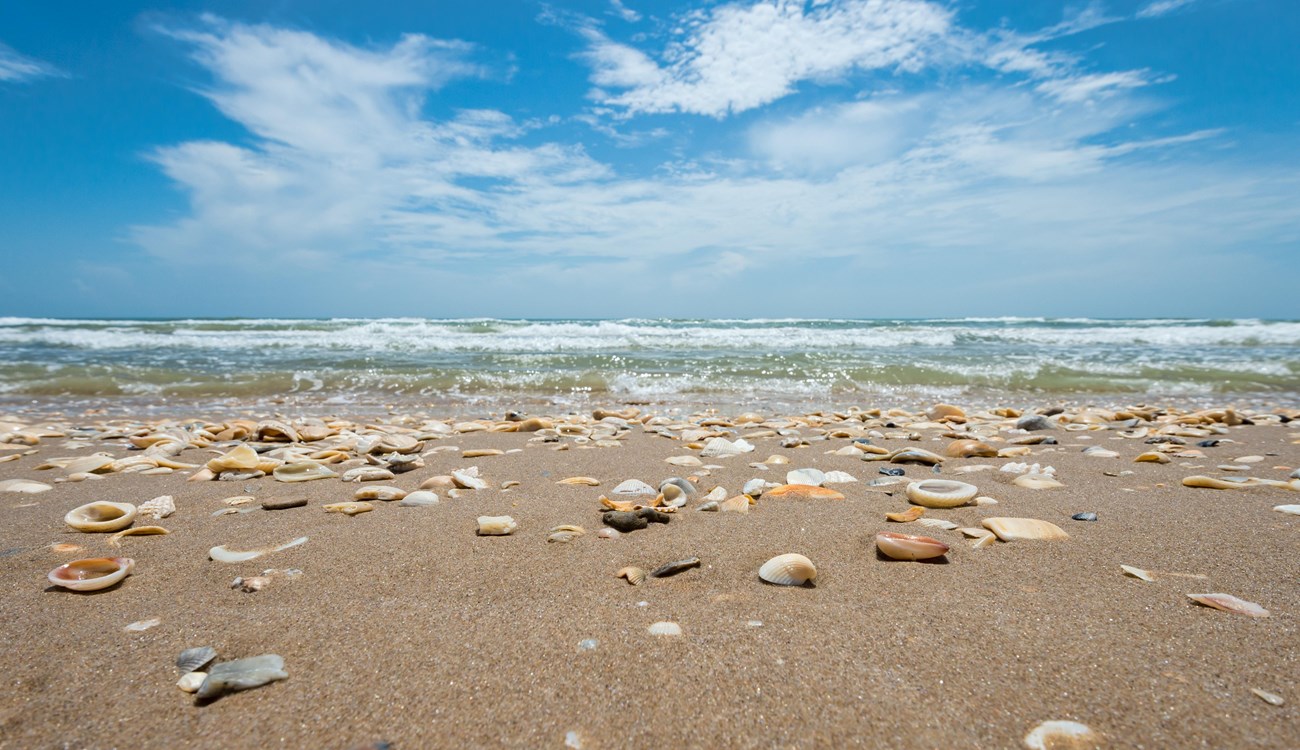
728, 361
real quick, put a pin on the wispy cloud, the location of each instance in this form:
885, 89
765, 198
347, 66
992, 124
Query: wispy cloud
16, 67
1161, 7
622, 11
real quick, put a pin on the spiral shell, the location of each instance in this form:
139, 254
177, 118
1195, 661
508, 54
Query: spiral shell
788, 570
909, 547
941, 493
92, 574
101, 516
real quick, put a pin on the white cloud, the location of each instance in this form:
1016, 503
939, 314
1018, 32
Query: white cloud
16, 67
624, 12
1161, 7
1081, 88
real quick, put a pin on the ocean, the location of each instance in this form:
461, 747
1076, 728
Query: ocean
490, 363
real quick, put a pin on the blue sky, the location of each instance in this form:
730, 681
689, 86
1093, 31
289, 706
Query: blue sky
611, 158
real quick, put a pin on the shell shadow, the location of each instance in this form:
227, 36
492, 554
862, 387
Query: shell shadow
941, 560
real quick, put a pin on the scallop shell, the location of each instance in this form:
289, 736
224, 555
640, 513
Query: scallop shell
92, 574
664, 628
941, 493
634, 575
1062, 735
137, 531
811, 477
788, 570
101, 516
302, 471
348, 508
1012, 529
909, 547
496, 525
194, 659
802, 492
1230, 603
737, 504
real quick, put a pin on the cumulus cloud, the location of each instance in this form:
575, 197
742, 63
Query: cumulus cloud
17, 68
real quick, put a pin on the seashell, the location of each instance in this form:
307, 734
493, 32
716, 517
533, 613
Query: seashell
634, 487
984, 541
1248, 459
671, 496
379, 492
1036, 482
719, 447
369, 474
158, 508
242, 458
907, 516
66, 548
1229, 603
588, 481
937, 523
482, 452
272, 431
788, 570
839, 477
565, 533
608, 534
348, 508
194, 659
1137, 573
302, 471
1215, 483
139, 626
776, 458
399, 463
909, 547
1062, 735
1152, 457
717, 493
664, 628
468, 479
1013, 529
1087, 515
713, 506
683, 484
812, 477
137, 531
969, 449
1289, 509
496, 525
191, 681
221, 554
101, 516
1097, 451
626, 506
92, 574
754, 487
940, 412
737, 504
984, 501
675, 567
634, 575
941, 493
802, 492
419, 499
915, 456
252, 584
242, 674
25, 486
684, 461
974, 533
97, 463
1272, 699
1019, 450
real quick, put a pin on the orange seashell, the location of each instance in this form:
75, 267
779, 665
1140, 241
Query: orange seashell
908, 547
911, 514
802, 492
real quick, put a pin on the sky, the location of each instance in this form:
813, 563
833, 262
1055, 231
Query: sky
628, 158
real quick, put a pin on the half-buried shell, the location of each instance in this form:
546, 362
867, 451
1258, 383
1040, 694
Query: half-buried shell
788, 570
496, 525
302, 471
802, 492
941, 493
92, 574
908, 547
101, 516
1013, 529
1229, 603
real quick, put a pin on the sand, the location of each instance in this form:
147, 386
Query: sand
407, 628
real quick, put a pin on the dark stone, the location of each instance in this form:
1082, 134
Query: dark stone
892, 471
652, 515
281, 503
1211, 443
1052, 411
675, 567
624, 521
1086, 516
1047, 441
1033, 422
1158, 439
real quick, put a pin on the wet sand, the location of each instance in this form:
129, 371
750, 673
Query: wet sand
406, 627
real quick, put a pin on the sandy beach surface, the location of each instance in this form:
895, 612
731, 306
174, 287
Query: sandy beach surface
405, 627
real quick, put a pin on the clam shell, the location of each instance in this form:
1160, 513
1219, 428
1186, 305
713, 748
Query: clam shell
1136, 572
941, 493
419, 498
1036, 482
969, 449
1012, 529
1062, 735
1230, 603
468, 479
664, 628
802, 492
242, 458
908, 547
368, 474
791, 569
1152, 457
302, 471
379, 492
496, 525
673, 496
101, 516
634, 487
586, 481
915, 456
192, 681
92, 574
25, 486
634, 575
565, 533
737, 504
194, 659
812, 477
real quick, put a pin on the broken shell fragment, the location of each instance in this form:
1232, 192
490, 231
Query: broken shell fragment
664, 628
379, 492
1136, 572
1272, 699
634, 575
302, 471
101, 516
585, 481
909, 547
137, 531
419, 499
194, 659
907, 516
158, 508
1062, 735
941, 493
1152, 457
1036, 482
1293, 510
1229, 603
221, 554
802, 492
675, 567
496, 525
242, 674
92, 574
468, 479
788, 570
565, 533
348, 508
25, 486
737, 504
1214, 483
1013, 529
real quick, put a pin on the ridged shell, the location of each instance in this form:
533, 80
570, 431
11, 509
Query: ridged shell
791, 569
1013, 529
92, 574
737, 504
634, 575
194, 659
101, 516
1230, 603
158, 508
941, 493
909, 547
496, 525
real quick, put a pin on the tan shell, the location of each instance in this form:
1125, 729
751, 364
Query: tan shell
379, 492
242, 458
92, 574
907, 516
348, 509
802, 492
482, 452
586, 481
1036, 482
633, 574
101, 516
1013, 529
941, 493
1230, 603
909, 547
788, 570
302, 471
1151, 457
737, 504
969, 449
496, 525
1213, 483
565, 533
1062, 735
137, 531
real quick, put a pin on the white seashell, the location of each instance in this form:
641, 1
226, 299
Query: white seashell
608, 533
25, 486
1230, 603
908, 547
192, 681
937, 523
350, 508
634, 487
368, 474
839, 477
941, 493
139, 626
1012, 529
158, 508
1062, 735
89, 464
673, 496
718, 447
101, 516
379, 492
788, 570
1273, 699
468, 480
1097, 451
664, 628
1036, 482
92, 574
419, 498
684, 461
813, 477
221, 554
1291, 509
1136, 572
302, 471
496, 525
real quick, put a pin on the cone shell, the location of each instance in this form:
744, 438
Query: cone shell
92, 574
909, 547
101, 516
788, 570
1013, 529
1230, 603
802, 492
941, 493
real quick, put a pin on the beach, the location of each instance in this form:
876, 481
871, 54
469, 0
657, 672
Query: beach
404, 626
